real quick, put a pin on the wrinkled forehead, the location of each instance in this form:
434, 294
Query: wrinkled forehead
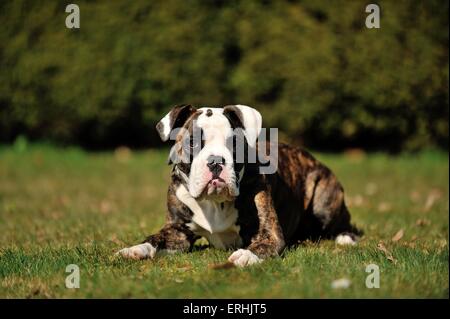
213, 122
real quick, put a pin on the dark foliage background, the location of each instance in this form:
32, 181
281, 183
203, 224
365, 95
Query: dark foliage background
311, 67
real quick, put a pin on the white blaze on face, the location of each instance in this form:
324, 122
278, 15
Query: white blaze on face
216, 129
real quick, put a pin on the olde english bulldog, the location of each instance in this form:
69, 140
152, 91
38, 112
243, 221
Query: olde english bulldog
241, 192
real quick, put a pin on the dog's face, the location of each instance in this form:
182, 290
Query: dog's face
210, 149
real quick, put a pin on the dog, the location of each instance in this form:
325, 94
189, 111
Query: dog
230, 202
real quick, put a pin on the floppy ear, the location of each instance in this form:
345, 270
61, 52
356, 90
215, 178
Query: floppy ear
174, 119
246, 117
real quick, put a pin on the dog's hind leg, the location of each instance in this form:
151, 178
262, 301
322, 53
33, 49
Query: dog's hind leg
171, 238
328, 207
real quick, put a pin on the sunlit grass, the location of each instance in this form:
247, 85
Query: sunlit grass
67, 206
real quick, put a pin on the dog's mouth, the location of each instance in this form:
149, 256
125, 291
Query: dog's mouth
215, 186
216, 182
218, 189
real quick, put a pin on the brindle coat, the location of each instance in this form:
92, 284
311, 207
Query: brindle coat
302, 200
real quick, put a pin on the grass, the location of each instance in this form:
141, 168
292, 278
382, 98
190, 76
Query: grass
67, 206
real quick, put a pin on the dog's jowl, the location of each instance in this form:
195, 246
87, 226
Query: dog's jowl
217, 190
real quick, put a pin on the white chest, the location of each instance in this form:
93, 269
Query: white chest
212, 220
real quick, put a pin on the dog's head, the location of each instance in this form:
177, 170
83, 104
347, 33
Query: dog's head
211, 145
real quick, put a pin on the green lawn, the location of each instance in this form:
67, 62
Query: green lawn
67, 206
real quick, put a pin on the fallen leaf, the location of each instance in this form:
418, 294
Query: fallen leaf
105, 207
296, 270
433, 196
56, 215
184, 268
398, 235
414, 196
144, 268
64, 200
371, 189
355, 201
386, 252
122, 154
116, 240
442, 243
226, 265
142, 224
422, 222
384, 207
355, 154
412, 245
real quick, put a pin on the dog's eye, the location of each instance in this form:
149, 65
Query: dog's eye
188, 143
194, 142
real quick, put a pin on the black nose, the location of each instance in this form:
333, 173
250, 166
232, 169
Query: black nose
215, 164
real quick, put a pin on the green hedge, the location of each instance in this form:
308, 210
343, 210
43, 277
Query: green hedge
311, 67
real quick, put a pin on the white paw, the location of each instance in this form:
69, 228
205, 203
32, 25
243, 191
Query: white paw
345, 240
140, 251
244, 257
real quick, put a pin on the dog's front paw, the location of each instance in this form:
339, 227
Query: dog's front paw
244, 257
141, 251
345, 240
